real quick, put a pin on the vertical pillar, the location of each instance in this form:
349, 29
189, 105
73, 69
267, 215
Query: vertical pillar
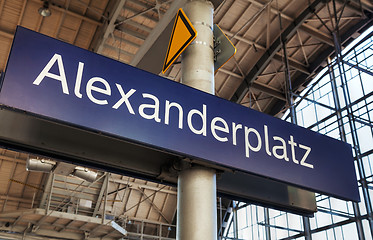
197, 63
50, 193
196, 200
196, 204
352, 124
293, 117
351, 121
47, 188
288, 85
235, 220
307, 228
342, 134
106, 182
267, 223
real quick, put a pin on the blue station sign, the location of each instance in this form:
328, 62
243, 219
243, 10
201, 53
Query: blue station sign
55, 80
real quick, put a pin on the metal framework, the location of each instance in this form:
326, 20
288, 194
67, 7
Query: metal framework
338, 103
84, 210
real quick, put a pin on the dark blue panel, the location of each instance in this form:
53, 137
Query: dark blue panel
211, 128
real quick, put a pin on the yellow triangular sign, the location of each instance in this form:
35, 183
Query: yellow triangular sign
183, 33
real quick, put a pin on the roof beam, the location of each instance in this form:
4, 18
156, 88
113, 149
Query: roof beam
269, 90
131, 33
71, 13
125, 41
66, 226
17, 213
40, 234
101, 195
278, 56
146, 236
293, 64
11, 159
70, 216
135, 12
368, 5
233, 74
139, 26
272, 50
6, 34
148, 8
46, 192
53, 214
109, 28
317, 34
119, 49
259, 86
358, 6
48, 234
17, 220
242, 39
314, 66
16, 199
304, 27
153, 205
134, 185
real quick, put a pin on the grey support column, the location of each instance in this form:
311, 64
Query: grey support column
197, 63
196, 201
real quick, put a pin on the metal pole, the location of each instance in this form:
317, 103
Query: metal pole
293, 117
351, 121
196, 199
221, 219
235, 220
106, 182
289, 89
342, 133
142, 230
307, 228
50, 194
267, 223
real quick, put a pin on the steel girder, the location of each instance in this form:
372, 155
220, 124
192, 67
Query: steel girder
272, 50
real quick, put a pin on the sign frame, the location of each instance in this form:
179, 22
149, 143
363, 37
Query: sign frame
236, 146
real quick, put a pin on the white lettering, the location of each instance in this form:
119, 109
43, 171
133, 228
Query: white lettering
281, 147
292, 146
90, 88
154, 106
167, 113
78, 81
124, 99
97, 87
303, 160
247, 142
234, 130
266, 141
214, 127
45, 73
203, 117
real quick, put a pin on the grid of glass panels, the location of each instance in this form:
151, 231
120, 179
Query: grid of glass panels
319, 108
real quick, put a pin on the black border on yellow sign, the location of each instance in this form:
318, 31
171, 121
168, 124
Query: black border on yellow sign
180, 15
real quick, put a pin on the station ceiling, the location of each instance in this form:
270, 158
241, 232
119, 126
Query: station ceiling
133, 32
